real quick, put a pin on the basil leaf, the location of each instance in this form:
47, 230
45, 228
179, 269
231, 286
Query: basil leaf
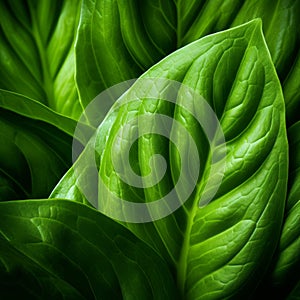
119, 40
211, 247
37, 52
35, 148
79, 252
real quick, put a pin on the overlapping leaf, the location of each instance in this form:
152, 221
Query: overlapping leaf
35, 148
64, 250
286, 266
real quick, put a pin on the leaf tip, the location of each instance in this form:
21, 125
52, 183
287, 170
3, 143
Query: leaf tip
256, 24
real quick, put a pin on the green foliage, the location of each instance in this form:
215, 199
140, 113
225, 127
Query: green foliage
237, 233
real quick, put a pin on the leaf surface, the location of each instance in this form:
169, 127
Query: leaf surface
77, 252
291, 92
35, 148
285, 273
218, 247
37, 52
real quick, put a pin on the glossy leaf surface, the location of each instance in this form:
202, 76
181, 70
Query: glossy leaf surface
217, 247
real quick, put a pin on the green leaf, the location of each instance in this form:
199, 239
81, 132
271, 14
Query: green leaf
35, 148
119, 40
22, 277
291, 92
37, 52
27, 107
285, 273
76, 252
102, 59
221, 249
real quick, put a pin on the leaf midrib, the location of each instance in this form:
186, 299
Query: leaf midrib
47, 79
182, 262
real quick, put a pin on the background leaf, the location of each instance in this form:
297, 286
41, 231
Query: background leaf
35, 148
285, 275
76, 252
37, 52
291, 92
